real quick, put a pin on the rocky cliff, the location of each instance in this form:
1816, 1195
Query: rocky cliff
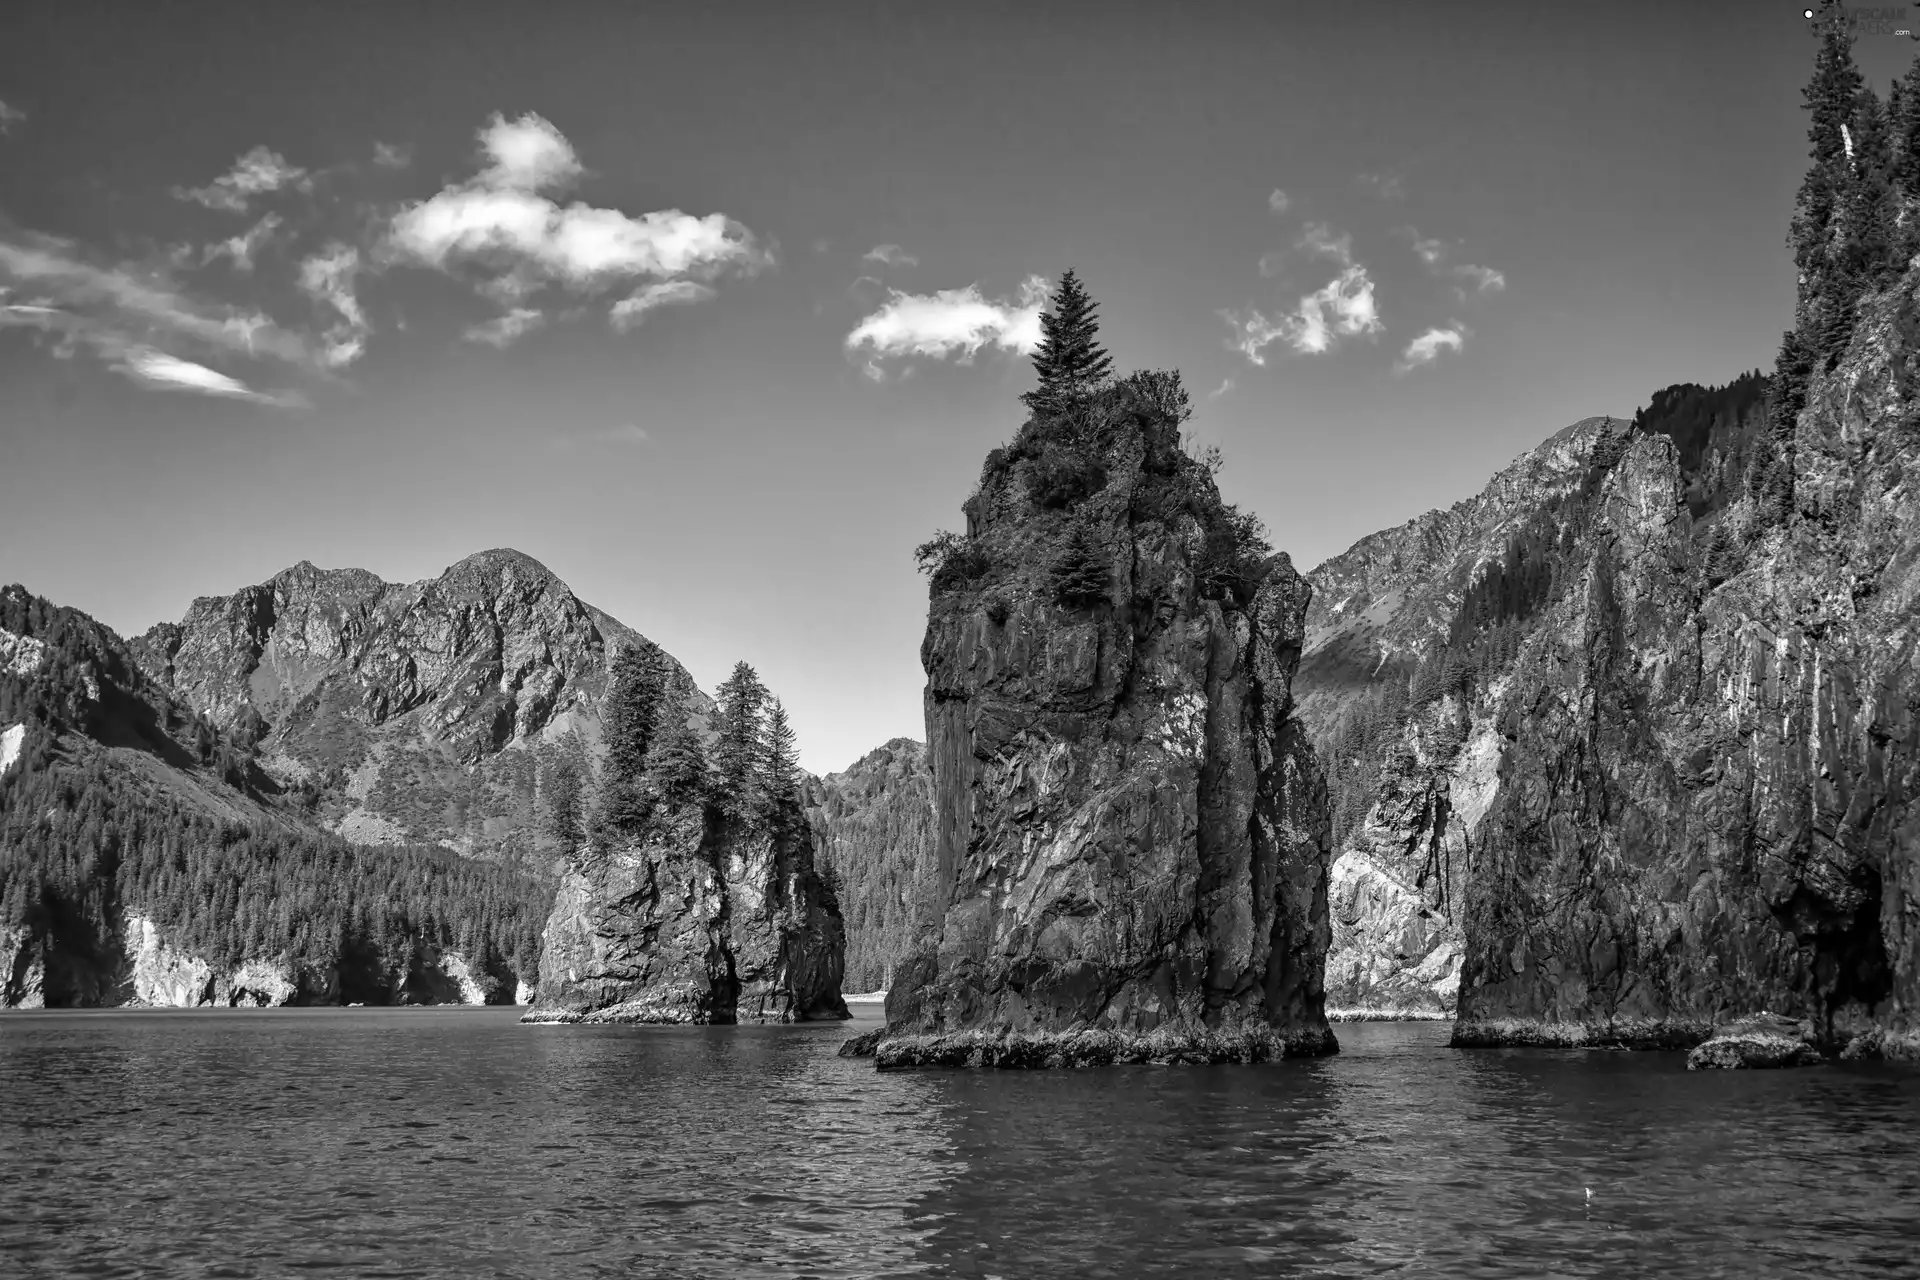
424, 713
1130, 829
705, 916
1706, 810
873, 832
1411, 769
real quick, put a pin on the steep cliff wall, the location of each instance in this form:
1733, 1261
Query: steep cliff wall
873, 830
1706, 808
1131, 831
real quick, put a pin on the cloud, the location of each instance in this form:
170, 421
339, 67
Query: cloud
1272, 262
258, 172
1388, 186
1224, 387
1343, 307
499, 224
328, 278
246, 246
9, 117
890, 254
1483, 279
631, 310
1428, 347
505, 330
1279, 201
169, 373
1430, 251
107, 301
628, 434
950, 322
392, 155
1319, 238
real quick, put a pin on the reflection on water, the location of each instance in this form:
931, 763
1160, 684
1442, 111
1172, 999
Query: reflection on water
457, 1143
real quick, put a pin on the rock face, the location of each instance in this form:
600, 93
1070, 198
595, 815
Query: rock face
873, 831
1411, 781
707, 917
427, 713
1130, 828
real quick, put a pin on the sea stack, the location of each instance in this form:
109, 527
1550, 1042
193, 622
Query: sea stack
1131, 833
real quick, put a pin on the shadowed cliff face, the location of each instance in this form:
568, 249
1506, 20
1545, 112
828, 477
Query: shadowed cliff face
423, 713
1707, 807
704, 918
1130, 829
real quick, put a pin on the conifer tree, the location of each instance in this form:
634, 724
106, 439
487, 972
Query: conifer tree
1081, 574
737, 754
1069, 359
637, 686
677, 766
563, 798
780, 766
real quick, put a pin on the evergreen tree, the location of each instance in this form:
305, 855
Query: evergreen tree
737, 754
780, 768
564, 817
638, 684
1872, 205
1081, 574
677, 766
1069, 359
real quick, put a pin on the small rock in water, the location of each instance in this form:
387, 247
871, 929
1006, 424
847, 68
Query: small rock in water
1764, 1040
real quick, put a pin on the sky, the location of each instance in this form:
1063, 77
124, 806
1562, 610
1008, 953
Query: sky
716, 310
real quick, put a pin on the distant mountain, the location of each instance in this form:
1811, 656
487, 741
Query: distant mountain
426, 713
146, 858
873, 843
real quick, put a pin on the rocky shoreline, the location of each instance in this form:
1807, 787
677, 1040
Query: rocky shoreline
1052, 1050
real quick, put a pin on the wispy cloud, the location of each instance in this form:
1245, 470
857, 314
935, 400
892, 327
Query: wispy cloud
1481, 279
504, 224
1279, 201
1272, 263
505, 330
244, 248
1323, 241
329, 279
1225, 386
1343, 307
956, 323
1429, 346
392, 155
257, 173
9, 117
632, 309
170, 373
1428, 250
1388, 186
890, 254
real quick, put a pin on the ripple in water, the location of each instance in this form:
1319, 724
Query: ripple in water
458, 1143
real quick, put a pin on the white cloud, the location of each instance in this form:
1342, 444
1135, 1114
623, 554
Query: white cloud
328, 278
505, 330
246, 246
1428, 347
500, 224
258, 172
1343, 307
890, 254
392, 155
9, 117
950, 322
1224, 387
631, 310
1320, 239
1279, 201
1429, 250
1483, 279
1271, 263
169, 373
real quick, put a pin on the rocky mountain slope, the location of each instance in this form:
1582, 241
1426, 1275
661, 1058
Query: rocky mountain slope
1130, 829
424, 713
145, 858
873, 843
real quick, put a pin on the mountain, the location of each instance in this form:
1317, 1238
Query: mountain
146, 858
1130, 829
873, 843
427, 713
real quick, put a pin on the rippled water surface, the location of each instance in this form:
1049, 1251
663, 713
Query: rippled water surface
458, 1143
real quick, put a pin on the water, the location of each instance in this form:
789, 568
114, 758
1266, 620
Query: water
457, 1143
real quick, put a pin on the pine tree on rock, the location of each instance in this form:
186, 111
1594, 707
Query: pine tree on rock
1070, 361
737, 755
637, 690
677, 766
780, 767
1081, 574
